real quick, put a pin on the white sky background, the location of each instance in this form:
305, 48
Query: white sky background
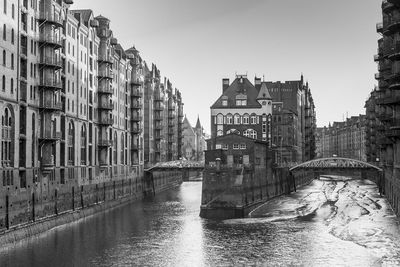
196, 43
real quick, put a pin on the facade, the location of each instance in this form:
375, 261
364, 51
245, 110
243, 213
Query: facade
282, 114
294, 120
373, 129
73, 101
242, 109
344, 139
194, 143
163, 118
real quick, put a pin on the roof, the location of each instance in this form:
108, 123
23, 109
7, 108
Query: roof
188, 126
85, 15
264, 93
241, 85
198, 125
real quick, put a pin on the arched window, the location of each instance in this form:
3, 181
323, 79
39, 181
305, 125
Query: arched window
237, 119
122, 149
220, 119
4, 32
3, 83
7, 148
250, 133
71, 144
115, 147
12, 61
33, 140
232, 131
220, 133
12, 86
13, 11
83, 144
253, 119
246, 118
4, 58
229, 119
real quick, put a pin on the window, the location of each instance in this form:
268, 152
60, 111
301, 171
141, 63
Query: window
115, 147
4, 32
218, 146
229, 119
13, 11
253, 119
7, 148
237, 119
232, 131
12, 61
250, 133
71, 143
83, 145
224, 102
236, 146
33, 140
220, 133
12, 36
245, 119
12, 85
220, 119
4, 58
242, 146
122, 149
225, 146
5, 7
3, 83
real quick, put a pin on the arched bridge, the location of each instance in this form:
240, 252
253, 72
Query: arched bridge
335, 164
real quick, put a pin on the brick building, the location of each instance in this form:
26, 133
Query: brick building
73, 100
194, 143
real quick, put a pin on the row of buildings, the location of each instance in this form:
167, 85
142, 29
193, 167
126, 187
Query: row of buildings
383, 105
74, 103
281, 114
343, 139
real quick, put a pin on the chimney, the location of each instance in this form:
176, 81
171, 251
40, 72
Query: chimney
257, 83
225, 84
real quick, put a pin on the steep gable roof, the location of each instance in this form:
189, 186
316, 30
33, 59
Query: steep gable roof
264, 93
241, 85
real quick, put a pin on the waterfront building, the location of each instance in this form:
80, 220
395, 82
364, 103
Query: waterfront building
373, 126
294, 120
344, 139
282, 114
72, 102
194, 143
163, 118
388, 96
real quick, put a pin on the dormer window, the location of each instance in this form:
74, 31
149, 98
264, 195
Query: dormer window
241, 100
224, 101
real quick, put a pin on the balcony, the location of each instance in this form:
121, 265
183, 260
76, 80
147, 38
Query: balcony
135, 82
158, 127
158, 117
50, 84
379, 27
50, 136
136, 147
106, 121
394, 2
52, 62
136, 105
384, 65
136, 118
158, 98
388, 100
394, 52
106, 105
384, 141
171, 132
393, 25
105, 59
383, 84
385, 117
50, 39
136, 130
136, 93
47, 17
24, 51
50, 105
105, 74
104, 143
105, 88
378, 76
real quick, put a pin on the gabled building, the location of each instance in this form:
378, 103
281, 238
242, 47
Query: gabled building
194, 143
242, 109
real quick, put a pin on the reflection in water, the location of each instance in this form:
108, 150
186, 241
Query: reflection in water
326, 223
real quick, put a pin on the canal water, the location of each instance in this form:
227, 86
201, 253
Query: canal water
331, 222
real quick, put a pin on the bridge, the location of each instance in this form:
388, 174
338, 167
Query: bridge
342, 167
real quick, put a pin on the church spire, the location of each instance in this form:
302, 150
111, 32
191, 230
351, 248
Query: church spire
198, 125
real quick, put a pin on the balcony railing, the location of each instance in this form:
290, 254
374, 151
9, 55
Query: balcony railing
24, 51
104, 143
136, 105
44, 17
379, 27
50, 135
50, 83
50, 105
51, 61
136, 117
108, 74
136, 130
105, 88
106, 105
136, 93
106, 121
50, 39
105, 59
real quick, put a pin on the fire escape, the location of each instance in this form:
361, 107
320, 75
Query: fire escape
49, 83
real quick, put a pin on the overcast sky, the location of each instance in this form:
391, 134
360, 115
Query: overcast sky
196, 43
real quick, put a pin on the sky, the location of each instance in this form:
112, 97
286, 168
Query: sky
197, 43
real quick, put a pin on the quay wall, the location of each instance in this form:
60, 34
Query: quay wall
230, 192
45, 205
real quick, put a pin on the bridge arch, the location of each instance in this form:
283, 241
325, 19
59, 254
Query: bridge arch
335, 163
